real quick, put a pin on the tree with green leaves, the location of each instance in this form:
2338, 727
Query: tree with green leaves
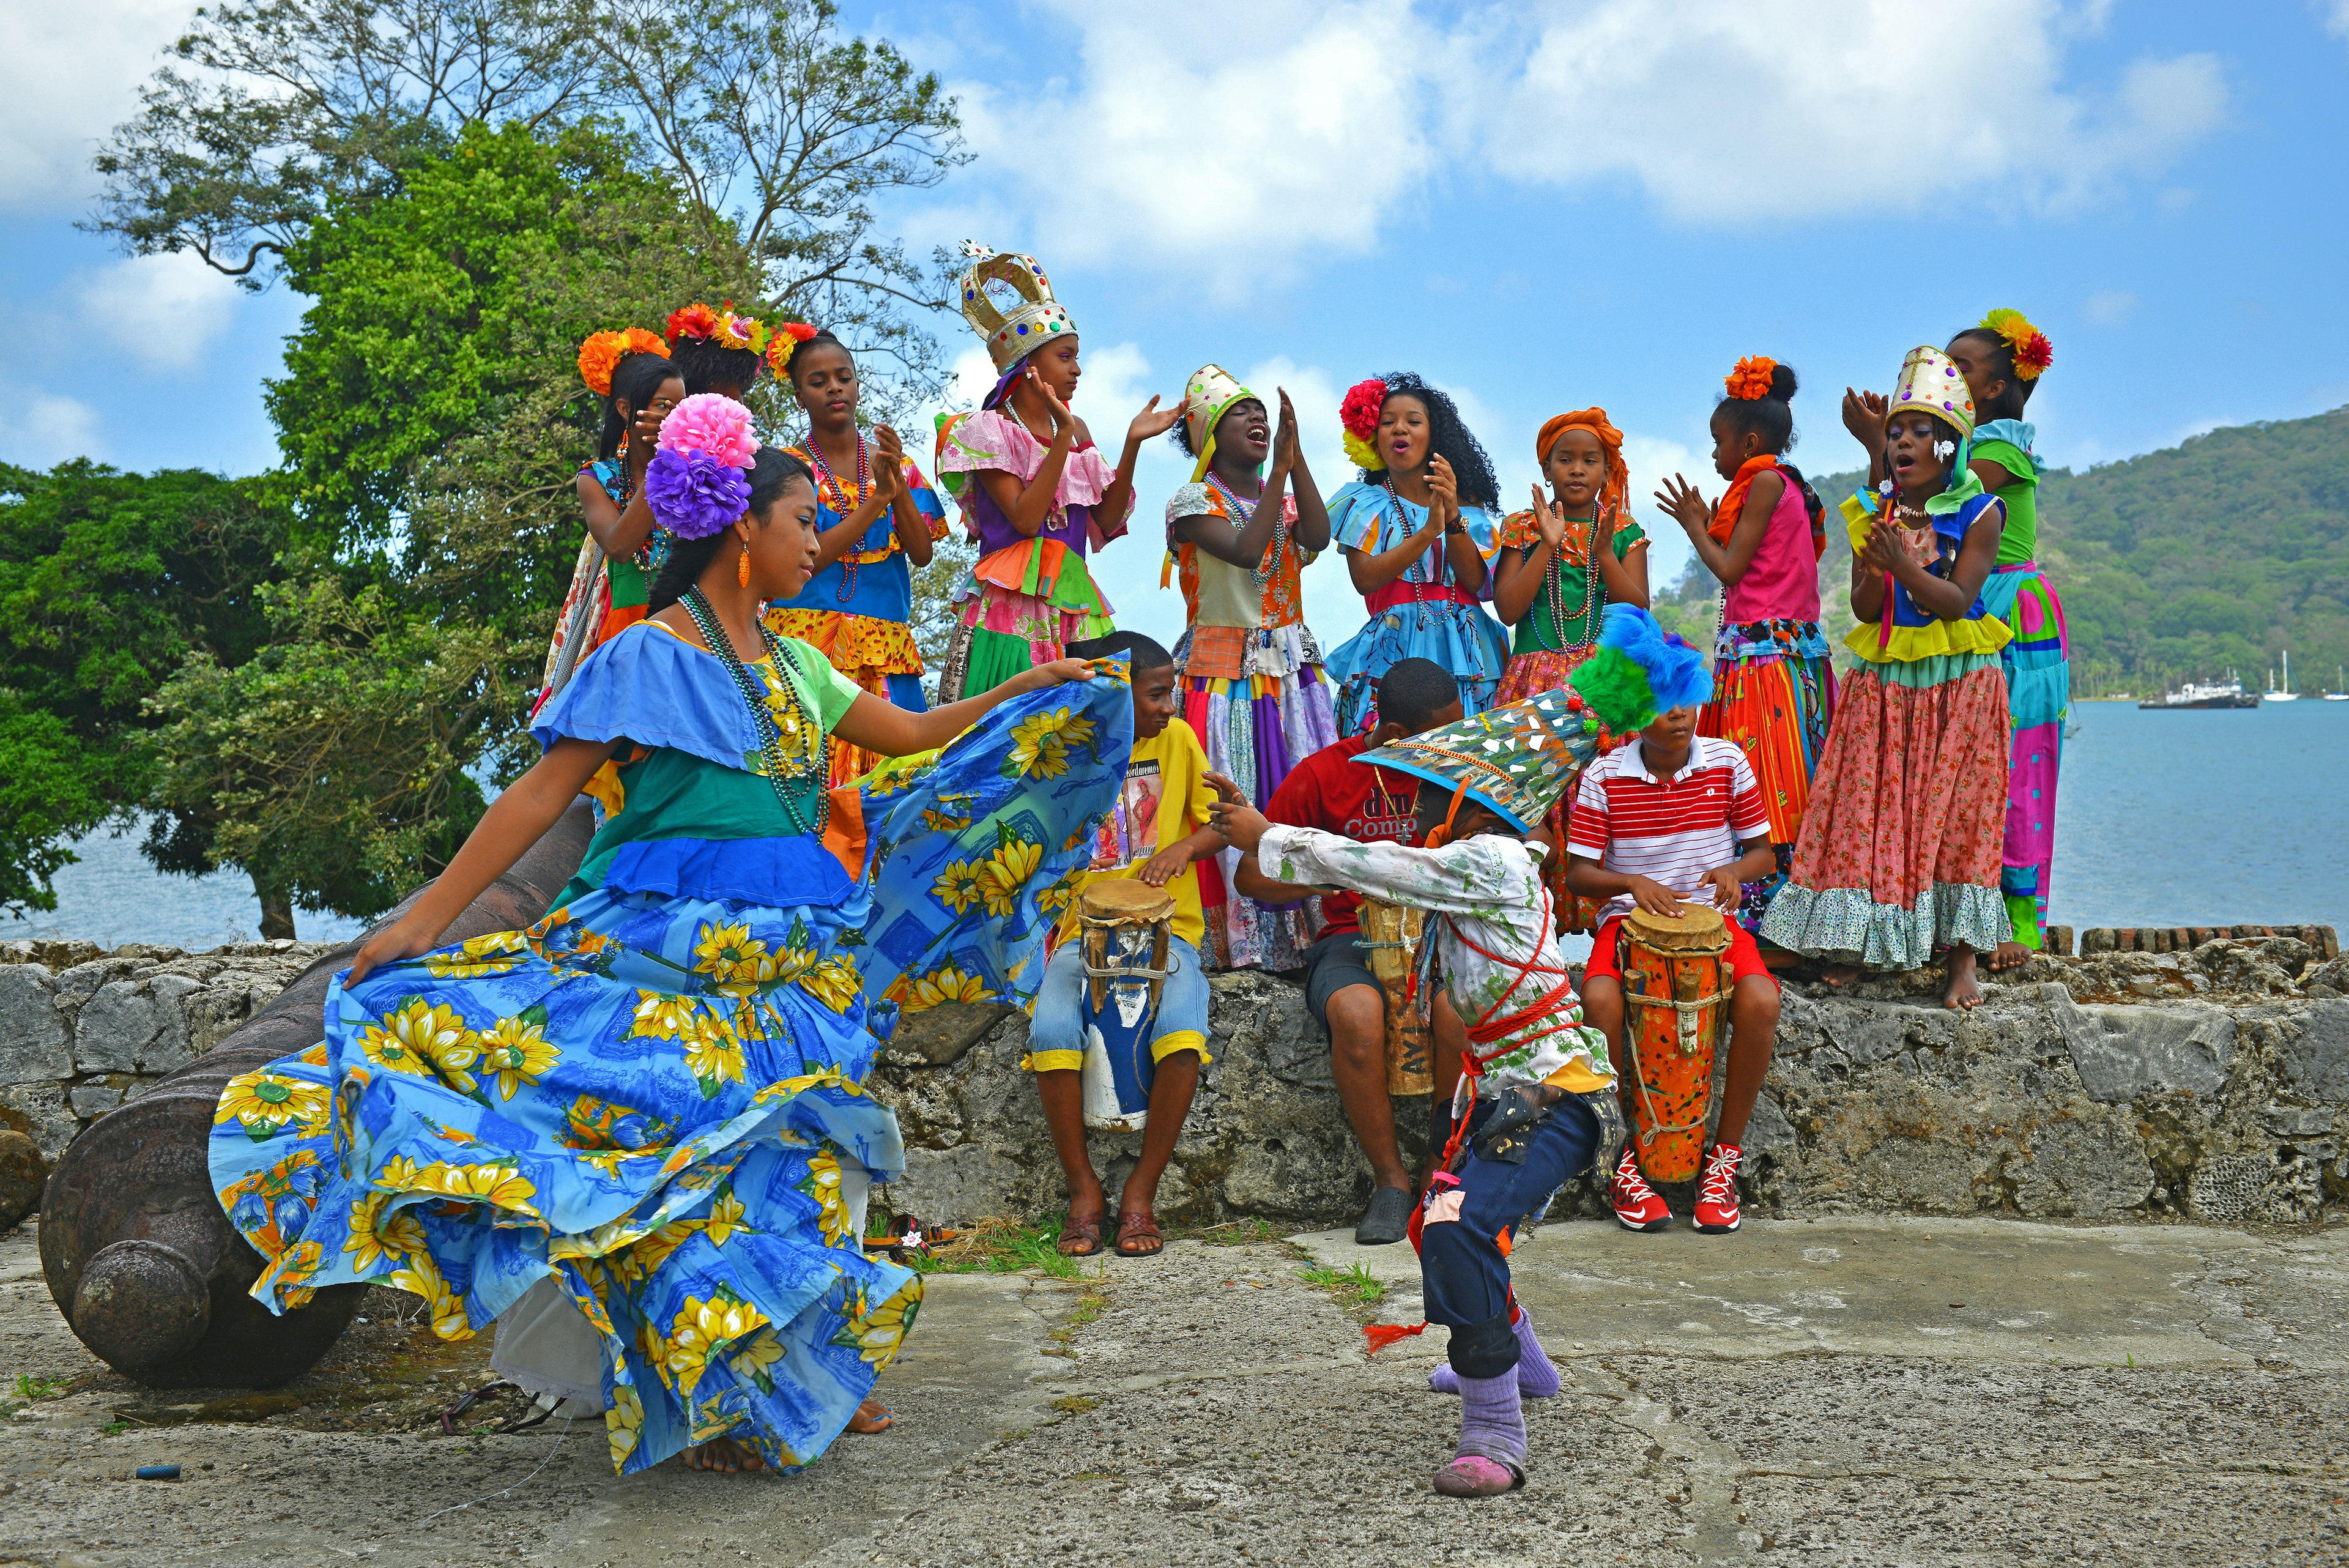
107, 582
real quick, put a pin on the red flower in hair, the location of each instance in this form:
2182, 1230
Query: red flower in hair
1359, 413
2032, 356
696, 320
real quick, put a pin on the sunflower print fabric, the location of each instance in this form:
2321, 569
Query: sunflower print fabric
650, 1095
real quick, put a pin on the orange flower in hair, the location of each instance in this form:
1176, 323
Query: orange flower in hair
602, 352
789, 336
2032, 352
1751, 379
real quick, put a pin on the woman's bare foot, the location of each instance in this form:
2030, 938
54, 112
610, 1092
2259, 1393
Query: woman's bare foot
2009, 955
1965, 990
1839, 975
871, 1417
723, 1454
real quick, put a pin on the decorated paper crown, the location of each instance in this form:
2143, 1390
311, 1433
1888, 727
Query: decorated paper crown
1359, 413
602, 352
1210, 392
1038, 316
2032, 352
789, 336
1929, 381
720, 327
697, 482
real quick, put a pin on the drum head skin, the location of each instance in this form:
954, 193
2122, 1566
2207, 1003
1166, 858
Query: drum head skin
1697, 926
1124, 902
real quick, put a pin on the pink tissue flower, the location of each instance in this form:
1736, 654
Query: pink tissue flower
713, 423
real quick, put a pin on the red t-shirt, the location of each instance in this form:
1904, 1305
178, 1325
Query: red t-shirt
1330, 791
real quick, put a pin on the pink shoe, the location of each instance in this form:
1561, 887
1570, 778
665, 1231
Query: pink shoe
1638, 1206
1716, 1192
1473, 1475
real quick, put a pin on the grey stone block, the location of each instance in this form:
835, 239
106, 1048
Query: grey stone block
33, 1047
937, 1036
2315, 1056
957, 1187
39, 1111
2123, 1052
91, 1101
2091, 1168
135, 1026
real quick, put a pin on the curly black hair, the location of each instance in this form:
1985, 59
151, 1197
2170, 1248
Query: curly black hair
637, 380
705, 366
1449, 439
771, 472
1767, 416
2001, 355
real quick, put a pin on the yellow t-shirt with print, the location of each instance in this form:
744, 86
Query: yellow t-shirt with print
1164, 800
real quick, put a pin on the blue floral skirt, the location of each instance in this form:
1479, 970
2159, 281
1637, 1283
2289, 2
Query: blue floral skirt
649, 1096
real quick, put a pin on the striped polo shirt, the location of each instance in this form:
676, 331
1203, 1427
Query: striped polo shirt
1670, 831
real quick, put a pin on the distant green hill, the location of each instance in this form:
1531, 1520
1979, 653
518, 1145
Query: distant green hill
2214, 555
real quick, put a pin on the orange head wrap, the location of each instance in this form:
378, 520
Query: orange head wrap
1610, 441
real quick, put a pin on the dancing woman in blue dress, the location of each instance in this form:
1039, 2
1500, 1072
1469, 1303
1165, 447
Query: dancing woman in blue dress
648, 1110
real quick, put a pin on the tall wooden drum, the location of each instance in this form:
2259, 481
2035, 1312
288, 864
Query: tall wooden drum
1676, 986
1127, 927
1390, 935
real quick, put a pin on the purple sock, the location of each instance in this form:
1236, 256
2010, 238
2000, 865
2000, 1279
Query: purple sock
1493, 1420
1536, 1374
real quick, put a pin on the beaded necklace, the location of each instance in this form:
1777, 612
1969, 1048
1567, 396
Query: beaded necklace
795, 749
1246, 511
840, 501
1554, 588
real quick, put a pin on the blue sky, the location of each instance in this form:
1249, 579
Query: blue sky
1538, 206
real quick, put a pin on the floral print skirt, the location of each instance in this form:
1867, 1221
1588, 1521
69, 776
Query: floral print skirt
1900, 851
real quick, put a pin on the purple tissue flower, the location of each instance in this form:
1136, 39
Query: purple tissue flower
693, 495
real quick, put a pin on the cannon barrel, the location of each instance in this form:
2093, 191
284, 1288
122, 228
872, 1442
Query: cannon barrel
146, 1268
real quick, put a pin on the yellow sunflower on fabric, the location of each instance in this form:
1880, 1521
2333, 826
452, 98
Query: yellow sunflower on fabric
663, 1016
624, 1423
960, 885
500, 1186
945, 983
875, 1335
1006, 872
263, 1102
1041, 743
374, 1240
420, 1277
757, 1357
516, 1051
500, 952
821, 1184
834, 982
417, 1035
700, 1330
725, 1217
714, 1057
735, 961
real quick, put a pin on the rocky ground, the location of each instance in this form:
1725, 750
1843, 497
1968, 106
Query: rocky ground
1837, 1389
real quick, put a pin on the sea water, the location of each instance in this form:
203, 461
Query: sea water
2199, 817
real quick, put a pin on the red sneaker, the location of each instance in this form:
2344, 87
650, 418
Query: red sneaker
1716, 1191
1638, 1206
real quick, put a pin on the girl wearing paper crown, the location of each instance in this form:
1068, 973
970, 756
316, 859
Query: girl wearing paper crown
640, 1126
1034, 489
1252, 683
1533, 1096
1900, 846
2001, 360
1562, 564
1774, 680
876, 518
625, 547
1418, 530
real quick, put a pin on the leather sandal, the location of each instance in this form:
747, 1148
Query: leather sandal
1079, 1238
1142, 1229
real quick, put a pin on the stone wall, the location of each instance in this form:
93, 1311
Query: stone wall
82, 1029
2211, 1084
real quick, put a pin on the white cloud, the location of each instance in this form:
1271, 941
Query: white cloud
74, 73
164, 311
2111, 306
2336, 17
49, 430
1164, 146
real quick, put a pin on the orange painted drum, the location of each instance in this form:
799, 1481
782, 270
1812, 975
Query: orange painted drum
1391, 946
1676, 987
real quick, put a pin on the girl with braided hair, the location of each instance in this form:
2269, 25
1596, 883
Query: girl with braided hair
1418, 533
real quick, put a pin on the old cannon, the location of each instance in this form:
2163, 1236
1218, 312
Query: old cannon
147, 1269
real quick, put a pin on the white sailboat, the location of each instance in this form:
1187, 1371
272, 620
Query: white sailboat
2285, 693
2340, 692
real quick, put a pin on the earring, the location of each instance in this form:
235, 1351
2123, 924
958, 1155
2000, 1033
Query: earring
742, 568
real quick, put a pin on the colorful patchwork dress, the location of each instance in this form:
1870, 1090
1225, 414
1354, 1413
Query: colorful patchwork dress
1421, 615
1549, 644
1774, 689
1028, 596
605, 595
1254, 693
1899, 855
856, 611
2038, 677
654, 1096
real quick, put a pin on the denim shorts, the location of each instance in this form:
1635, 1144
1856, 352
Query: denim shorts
1056, 1030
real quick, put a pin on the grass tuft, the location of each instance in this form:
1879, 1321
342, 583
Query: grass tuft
1351, 1286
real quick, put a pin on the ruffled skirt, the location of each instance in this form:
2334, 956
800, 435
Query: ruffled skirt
1899, 855
2038, 665
1460, 638
1774, 693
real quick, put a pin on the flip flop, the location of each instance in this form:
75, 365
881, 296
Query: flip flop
1079, 1238
1142, 1228
1473, 1475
